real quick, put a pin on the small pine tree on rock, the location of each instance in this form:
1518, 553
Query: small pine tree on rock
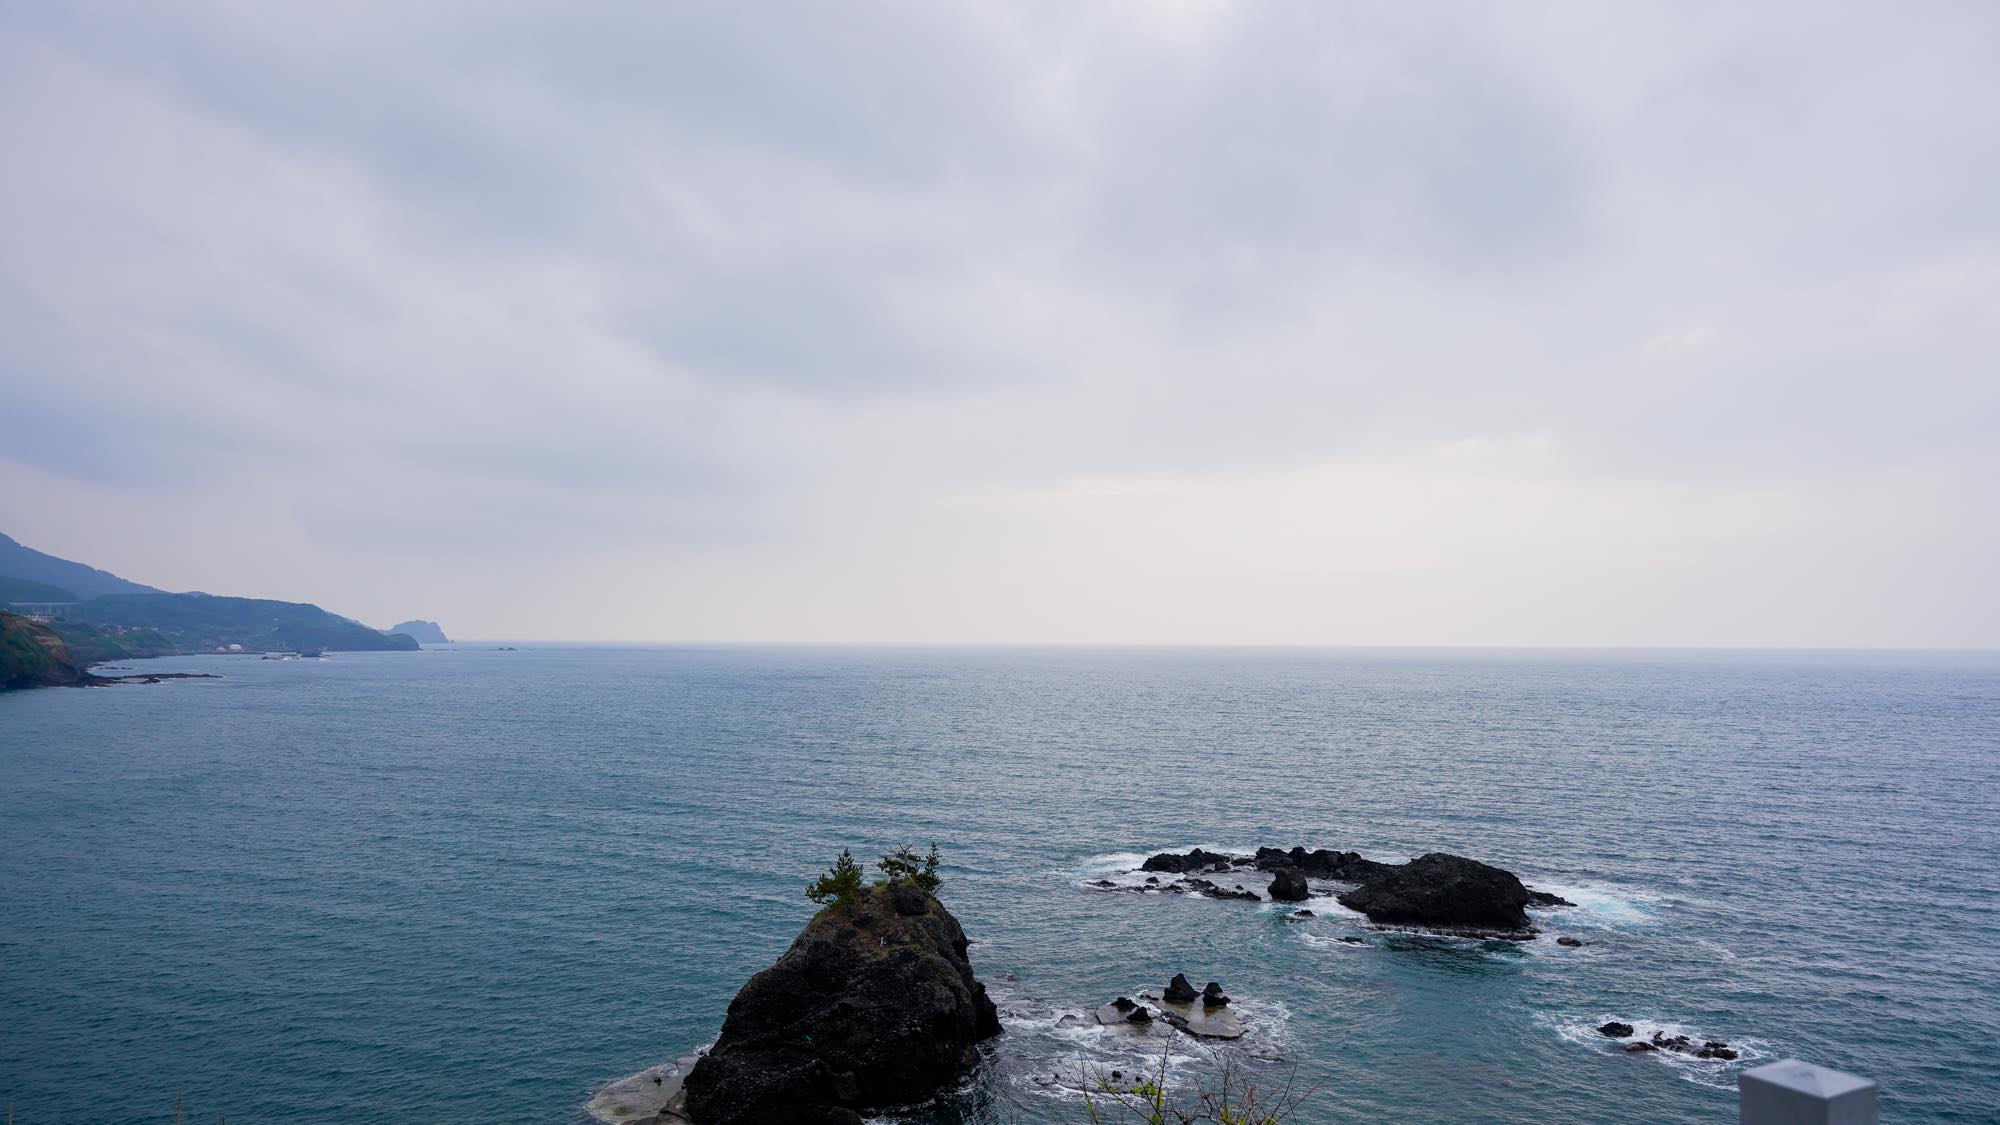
839, 885
904, 865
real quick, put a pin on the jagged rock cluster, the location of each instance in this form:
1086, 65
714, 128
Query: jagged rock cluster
1203, 1014
1661, 1041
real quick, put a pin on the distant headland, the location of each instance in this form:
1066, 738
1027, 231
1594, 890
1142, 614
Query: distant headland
423, 632
59, 617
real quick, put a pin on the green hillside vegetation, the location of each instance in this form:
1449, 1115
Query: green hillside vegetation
28, 590
201, 623
33, 656
95, 644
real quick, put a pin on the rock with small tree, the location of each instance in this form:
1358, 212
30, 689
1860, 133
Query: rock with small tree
873, 1006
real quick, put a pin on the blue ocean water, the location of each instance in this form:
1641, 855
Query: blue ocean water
477, 885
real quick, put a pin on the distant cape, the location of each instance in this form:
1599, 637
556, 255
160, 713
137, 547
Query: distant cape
423, 632
63, 611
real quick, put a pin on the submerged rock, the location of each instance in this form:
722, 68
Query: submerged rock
1204, 1021
1636, 1048
1570, 941
1684, 1045
1288, 884
1448, 892
654, 1094
1213, 891
1544, 898
873, 1006
1123, 1010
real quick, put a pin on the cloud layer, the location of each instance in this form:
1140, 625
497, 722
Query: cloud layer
1178, 322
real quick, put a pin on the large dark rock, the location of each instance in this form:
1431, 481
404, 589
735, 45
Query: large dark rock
1179, 991
873, 1006
1447, 892
1288, 884
1193, 861
1615, 1030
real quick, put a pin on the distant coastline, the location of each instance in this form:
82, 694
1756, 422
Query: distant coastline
62, 618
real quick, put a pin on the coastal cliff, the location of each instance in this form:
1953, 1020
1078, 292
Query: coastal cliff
873, 1006
31, 655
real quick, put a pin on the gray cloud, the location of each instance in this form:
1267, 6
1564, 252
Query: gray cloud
753, 293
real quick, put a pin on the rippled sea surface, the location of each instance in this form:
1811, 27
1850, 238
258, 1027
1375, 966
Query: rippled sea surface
477, 885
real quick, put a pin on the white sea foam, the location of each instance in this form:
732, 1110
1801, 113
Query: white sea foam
1599, 904
1110, 863
654, 1092
1122, 870
1326, 906
1060, 1051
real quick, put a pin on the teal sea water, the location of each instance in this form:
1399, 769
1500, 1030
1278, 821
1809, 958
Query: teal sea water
476, 885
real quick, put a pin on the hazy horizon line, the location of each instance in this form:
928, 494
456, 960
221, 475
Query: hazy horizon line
1226, 646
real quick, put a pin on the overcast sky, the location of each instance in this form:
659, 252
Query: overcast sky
1166, 322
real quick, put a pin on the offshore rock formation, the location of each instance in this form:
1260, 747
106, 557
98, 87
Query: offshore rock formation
1437, 891
1442, 891
874, 1006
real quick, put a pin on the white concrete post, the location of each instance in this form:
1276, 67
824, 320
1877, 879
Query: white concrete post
1798, 1093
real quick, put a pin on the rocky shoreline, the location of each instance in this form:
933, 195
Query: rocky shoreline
33, 655
875, 1008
